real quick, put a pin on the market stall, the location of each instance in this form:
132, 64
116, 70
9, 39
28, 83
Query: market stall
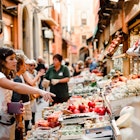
78, 118
99, 109
120, 95
85, 115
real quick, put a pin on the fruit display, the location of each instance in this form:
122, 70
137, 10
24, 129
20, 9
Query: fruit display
80, 89
71, 132
50, 121
42, 134
78, 130
85, 105
118, 94
80, 116
120, 90
84, 84
96, 122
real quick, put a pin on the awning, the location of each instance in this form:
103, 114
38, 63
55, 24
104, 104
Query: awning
51, 22
90, 39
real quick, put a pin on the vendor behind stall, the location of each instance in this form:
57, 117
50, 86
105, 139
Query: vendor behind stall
58, 75
102, 67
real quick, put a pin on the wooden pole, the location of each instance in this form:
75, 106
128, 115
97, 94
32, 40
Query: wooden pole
126, 62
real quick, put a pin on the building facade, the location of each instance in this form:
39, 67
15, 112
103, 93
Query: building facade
77, 22
31, 26
118, 29
9, 23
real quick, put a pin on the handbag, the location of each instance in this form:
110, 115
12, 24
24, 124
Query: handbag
7, 119
15, 107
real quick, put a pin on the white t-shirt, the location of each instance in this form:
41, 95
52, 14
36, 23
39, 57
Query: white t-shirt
5, 96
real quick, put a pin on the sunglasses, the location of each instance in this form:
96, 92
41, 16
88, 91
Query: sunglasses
32, 65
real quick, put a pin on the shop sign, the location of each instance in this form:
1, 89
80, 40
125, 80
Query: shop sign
48, 34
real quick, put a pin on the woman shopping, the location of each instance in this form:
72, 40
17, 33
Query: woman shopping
8, 64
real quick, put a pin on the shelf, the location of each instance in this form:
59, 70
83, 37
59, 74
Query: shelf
115, 106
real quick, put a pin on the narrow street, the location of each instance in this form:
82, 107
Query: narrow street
87, 50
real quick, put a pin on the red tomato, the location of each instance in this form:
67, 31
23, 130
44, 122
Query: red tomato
102, 111
91, 109
96, 109
86, 110
72, 107
81, 107
76, 111
91, 104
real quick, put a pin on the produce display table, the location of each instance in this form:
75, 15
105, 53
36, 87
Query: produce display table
115, 106
83, 116
57, 125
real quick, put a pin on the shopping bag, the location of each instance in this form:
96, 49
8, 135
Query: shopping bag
7, 132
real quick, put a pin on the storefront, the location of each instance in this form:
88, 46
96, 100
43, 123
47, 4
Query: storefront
134, 32
9, 21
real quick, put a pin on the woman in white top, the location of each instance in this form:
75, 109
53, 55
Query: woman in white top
32, 74
7, 67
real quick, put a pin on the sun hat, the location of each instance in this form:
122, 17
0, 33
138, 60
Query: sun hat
30, 62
